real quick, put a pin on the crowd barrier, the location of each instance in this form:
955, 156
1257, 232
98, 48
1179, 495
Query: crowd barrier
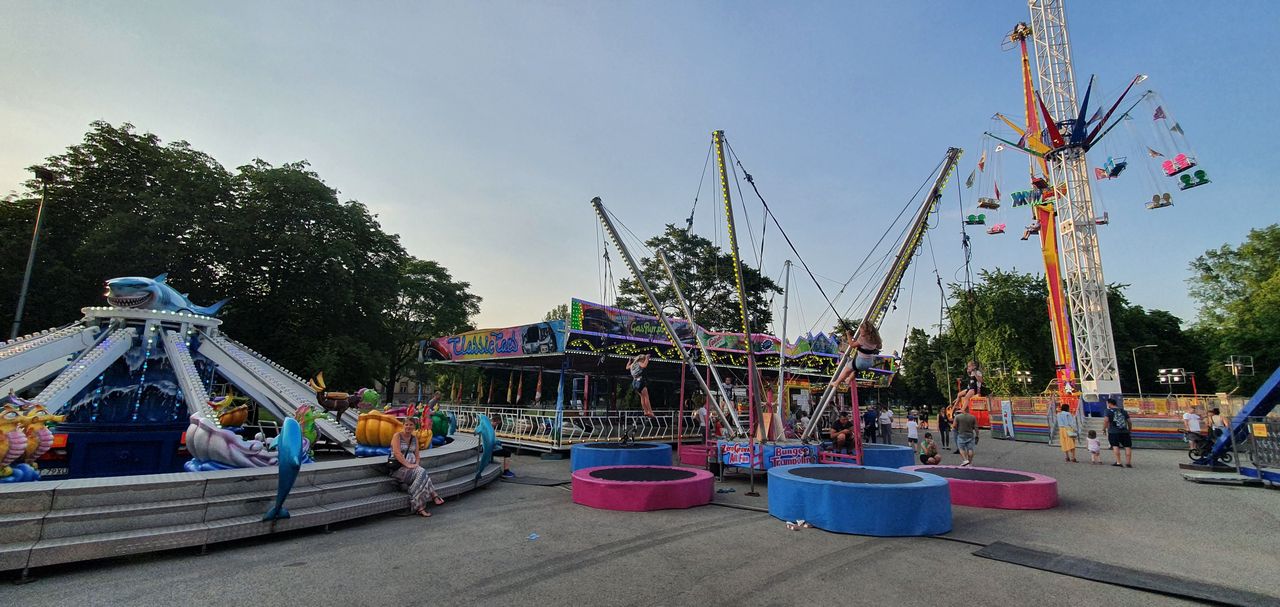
545, 430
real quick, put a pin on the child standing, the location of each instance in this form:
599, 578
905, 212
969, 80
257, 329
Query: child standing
913, 432
1094, 448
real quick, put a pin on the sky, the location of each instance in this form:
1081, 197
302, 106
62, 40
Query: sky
480, 131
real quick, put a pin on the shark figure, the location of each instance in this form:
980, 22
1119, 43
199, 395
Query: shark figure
289, 448
153, 294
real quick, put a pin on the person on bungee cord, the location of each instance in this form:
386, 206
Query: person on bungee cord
866, 345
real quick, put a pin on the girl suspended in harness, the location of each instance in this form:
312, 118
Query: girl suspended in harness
866, 347
639, 383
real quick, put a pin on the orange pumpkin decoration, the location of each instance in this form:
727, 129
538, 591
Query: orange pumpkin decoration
376, 429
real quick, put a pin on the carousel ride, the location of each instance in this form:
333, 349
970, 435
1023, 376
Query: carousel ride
130, 388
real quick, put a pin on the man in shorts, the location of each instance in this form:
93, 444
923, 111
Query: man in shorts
1116, 422
966, 436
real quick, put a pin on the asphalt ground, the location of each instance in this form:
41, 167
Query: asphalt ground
476, 550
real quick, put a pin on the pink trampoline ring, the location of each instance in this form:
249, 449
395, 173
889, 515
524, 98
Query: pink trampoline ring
642, 488
996, 488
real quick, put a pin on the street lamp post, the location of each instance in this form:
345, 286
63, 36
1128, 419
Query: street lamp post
1136, 375
45, 176
1023, 378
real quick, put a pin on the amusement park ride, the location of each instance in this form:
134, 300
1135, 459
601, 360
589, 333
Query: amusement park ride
131, 376
761, 413
1057, 135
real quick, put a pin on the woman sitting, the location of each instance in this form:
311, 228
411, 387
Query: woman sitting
405, 467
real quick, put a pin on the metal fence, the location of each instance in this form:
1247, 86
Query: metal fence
1264, 442
1175, 404
538, 428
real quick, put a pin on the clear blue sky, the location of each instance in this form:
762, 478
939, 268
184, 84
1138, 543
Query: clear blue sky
480, 131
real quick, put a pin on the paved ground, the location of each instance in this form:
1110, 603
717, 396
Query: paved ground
476, 551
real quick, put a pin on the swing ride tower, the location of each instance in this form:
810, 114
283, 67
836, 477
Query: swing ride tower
1068, 172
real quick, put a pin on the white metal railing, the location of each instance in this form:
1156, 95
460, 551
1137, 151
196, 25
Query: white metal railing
537, 428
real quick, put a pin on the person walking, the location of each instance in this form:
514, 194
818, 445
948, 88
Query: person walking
944, 429
913, 432
1094, 448
870, 422
966, 436
886, 425
1068, 430
1116, 423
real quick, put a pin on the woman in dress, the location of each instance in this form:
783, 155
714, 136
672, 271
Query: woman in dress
1068, 430
408, 470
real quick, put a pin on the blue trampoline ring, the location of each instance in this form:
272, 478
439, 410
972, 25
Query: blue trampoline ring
861, 500
878, 455
591, 455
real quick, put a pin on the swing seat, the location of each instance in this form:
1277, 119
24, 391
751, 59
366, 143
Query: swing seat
988, 203
1194, 180
1177, 164
1034, 228
975, 220
1114, 169
1104, 219
996, 229
1159, 202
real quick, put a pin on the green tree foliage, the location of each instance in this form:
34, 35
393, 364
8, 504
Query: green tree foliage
706, 280
429, 304
919, 378
311, 278
1003, 323
122, 204
560, 312
1133, 326
1238, 289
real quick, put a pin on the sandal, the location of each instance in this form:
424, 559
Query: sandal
424, 513
439, 500
1117, 465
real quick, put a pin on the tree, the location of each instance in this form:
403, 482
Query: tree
706, 280
1238, 289
429, 304
310, 277
560, 312
919, 377
122, 204
1002, 323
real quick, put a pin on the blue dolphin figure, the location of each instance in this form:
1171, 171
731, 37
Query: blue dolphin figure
289, 460
484, 430
153, 294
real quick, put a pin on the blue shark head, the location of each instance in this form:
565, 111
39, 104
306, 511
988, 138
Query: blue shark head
153, 294
134, 291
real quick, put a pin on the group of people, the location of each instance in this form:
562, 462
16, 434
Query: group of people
1193, 423
1115, 423
877, 426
